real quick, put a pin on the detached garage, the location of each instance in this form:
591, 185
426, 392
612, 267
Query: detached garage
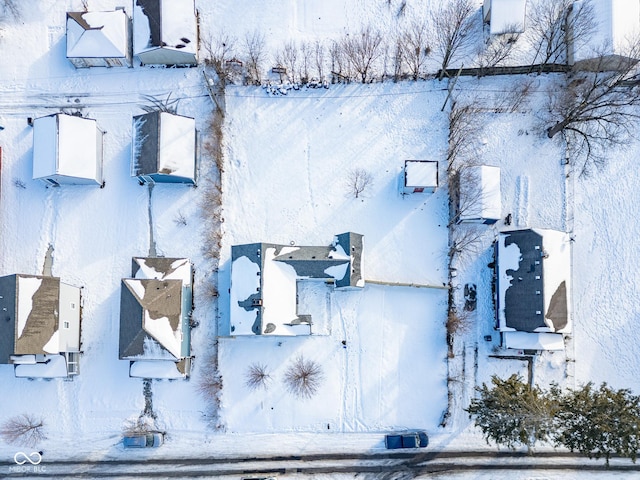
67, 150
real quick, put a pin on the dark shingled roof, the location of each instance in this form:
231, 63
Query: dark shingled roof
524, 298
42, 321
152, 10
146, 141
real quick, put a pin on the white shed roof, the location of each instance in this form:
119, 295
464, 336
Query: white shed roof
65, 145
421, 173
618, 24
480, 193
505, 16
104, 34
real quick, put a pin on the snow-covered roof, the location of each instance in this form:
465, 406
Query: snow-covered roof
618, 25
505, 16
165, 24
68, 146
420, 174
533, 341
534, 281
264, 282
52, 366
97, 34
164, 144
31, 305
154, 309
480, 196
155, 369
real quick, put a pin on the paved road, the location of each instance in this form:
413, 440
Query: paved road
407, 464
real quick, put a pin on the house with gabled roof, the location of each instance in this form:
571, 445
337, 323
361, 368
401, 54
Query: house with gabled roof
611, 45
164, 148
264, 280
67, 149
155, 317
504, 16
99, 39
165, 32
533, 288
39, 326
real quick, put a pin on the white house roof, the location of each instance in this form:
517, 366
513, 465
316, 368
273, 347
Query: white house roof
505, 16
421, 173
165, 23
618, 24
65, 145
533, 341
97, 34
177, 145
480, 193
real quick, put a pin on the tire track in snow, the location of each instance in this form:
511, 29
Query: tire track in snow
522, 201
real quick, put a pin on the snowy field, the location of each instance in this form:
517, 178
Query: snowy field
287, 161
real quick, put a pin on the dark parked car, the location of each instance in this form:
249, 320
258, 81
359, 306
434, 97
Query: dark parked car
417, 439
143, 440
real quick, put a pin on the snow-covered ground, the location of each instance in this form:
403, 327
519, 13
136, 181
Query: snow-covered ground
287, 161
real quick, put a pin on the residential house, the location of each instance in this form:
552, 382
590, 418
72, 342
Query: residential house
164, 148
155, 314
609, 47
533, 288
39, 326
67, 149
504, 16
165, 32
99, 39
265, 276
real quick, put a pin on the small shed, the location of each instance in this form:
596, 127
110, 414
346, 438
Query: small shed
165, 32
99, 39
420, 176
504, 16
479, 199
607, 48
164, 148
155, 315
67, 150
40, 328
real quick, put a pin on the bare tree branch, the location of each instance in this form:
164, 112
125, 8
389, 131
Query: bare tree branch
23, 429
452, 27
254, 46
362, 50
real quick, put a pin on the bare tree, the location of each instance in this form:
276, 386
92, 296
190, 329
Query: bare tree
220, 52
254, 46
141, 425
257, 376
516, 97
210, 384
306, 53
9, 9
363, 50
497, 49
358, 179
463, 132
339, 64
303, 377
554, 26
597, 109
415, 48
464, 241
465, 191
288, 58
319, 59
23, 429
452, 28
